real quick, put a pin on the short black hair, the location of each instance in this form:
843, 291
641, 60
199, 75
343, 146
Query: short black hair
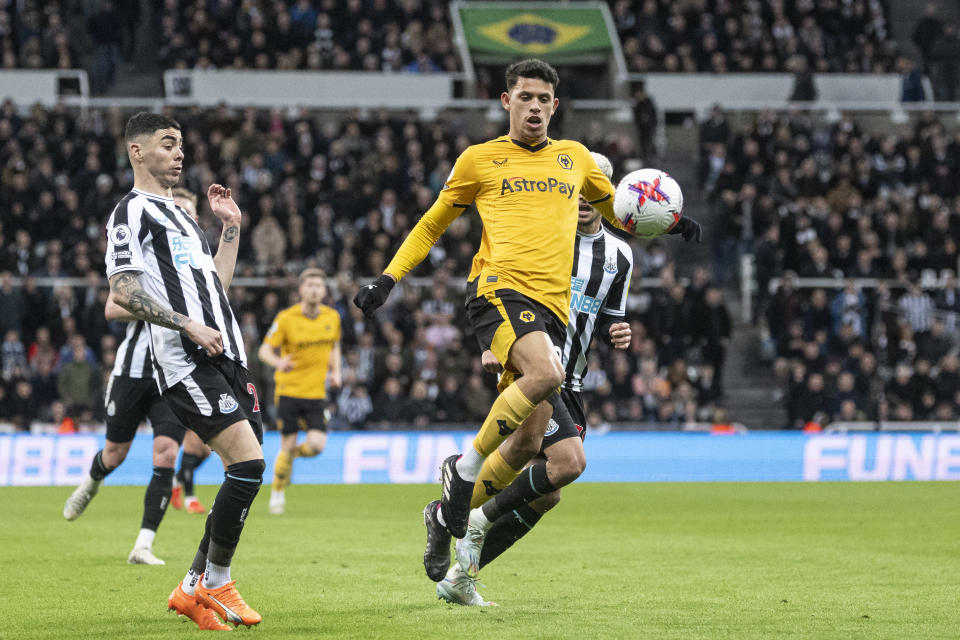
146, 123
531, 68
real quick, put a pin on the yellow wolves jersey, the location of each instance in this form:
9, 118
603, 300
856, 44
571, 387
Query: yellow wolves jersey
309, 341
527, 199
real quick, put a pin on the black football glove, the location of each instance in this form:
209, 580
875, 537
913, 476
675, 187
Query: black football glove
688, 228
371, 297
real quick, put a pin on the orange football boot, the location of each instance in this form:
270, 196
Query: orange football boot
228, 604
176, 498
186, 605
194, 506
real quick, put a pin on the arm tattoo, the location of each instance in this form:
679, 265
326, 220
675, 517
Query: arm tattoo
230, 233
129, 294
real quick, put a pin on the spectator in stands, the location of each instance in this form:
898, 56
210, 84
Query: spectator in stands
911, 80
944, 59
449, 404
354, 405
928, 30
935, 344
106, 27
900, 389
804, 88
917, 308
948, 378
44, 381
13, 356
77, 384
269, 242
391, 406
422, 407
715, 129
812, 401
645, 120
12, 305
477, 397
42, 352
713, 327
23, 408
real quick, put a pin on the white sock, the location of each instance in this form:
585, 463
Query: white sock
479, 520
145, 539
189, 584
469, 465
215, 576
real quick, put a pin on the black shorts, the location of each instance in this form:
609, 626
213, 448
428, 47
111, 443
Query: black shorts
567, 420
217, 394
130, 401
501, 317
300, 414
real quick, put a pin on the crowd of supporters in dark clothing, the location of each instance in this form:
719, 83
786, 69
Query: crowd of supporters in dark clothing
315, 191
811, 198
714, 36
723, 36
377, 35
417, 35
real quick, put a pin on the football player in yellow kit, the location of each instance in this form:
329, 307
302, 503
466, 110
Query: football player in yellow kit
303, 345
526, 188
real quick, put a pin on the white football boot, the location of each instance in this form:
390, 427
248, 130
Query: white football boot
80, 498
459, 588
143, 555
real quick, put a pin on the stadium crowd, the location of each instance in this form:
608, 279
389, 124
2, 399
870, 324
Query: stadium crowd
814, 199
416, 35
377, 35
35, 35
721, 36
340, 195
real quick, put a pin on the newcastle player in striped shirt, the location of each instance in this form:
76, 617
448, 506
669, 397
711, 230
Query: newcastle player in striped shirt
162, 271
602, 267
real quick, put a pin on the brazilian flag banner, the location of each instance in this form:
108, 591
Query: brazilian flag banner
503, 32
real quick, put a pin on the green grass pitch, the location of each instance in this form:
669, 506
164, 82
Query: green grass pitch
683, 561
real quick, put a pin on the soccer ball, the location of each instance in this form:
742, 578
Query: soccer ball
648, 202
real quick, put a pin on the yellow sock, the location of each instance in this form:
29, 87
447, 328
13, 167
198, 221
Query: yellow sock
282, 470
495, 476
508, 412
305, 451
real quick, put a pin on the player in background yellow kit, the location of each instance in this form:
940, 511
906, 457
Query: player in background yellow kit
303, 345
526, 188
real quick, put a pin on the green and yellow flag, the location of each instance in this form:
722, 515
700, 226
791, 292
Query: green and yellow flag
504, 32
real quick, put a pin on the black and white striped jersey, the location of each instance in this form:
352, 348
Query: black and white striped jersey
602, 264
133, 354
149, 234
